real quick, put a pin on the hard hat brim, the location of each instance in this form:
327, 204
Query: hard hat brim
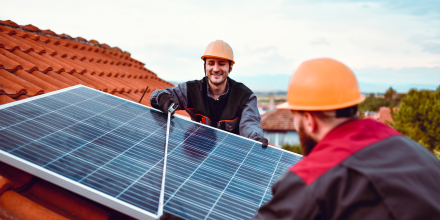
286, 105
224, 58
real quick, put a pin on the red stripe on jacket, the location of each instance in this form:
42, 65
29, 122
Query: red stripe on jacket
338, 145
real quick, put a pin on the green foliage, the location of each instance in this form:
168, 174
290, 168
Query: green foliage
418, 117
296, 148
373, 103
389, 93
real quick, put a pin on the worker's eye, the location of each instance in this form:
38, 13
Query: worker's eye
211, 63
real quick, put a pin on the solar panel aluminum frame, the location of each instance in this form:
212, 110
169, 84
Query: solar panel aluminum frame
81, 189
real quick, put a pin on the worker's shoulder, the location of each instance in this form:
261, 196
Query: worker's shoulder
196, 82
343, 142
239, 86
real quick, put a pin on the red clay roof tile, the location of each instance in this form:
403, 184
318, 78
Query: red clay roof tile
280, 119
48, 50
47, 87
66, 67
31, 88
37, 48
91, 82
80, 39
9, 23
50, 80
79, 69
5, 184
5, 99
49, 32
23, 46
8, 45
30, 27
60, 78
25, 208
42, 66
56, 63
21, 97
27, 66
76, 80
10, 31
9, 64
10, 88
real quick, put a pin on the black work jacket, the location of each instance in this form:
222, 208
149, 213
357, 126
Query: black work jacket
362, 169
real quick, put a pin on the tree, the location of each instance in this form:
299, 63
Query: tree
418, 118
390, 93
296, 148
373, 103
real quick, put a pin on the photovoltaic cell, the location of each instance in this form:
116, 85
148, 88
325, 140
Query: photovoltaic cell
111, 150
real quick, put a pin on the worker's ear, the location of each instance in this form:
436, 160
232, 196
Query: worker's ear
230, 66
310, 123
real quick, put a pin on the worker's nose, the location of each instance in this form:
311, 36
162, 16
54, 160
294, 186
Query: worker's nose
216, 68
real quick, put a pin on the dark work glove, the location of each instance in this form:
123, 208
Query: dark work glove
265, 142
165, 101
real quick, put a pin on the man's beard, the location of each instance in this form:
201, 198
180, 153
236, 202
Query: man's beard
217, 83
307, 142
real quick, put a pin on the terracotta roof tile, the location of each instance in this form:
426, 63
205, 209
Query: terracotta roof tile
23, 45
33, 62
33, 44
9, 64
47, 87
76, 80
5, 99
9, 23
27, 66
21, 97
66, 67
279, 119
53, 81
42, 66
8, 45
10, 31
91, 81
385, 115
60, 78
69, 62
49, 32
31, 88
10, 88
48, 50
30, 27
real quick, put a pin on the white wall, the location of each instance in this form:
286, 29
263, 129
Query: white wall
280, 138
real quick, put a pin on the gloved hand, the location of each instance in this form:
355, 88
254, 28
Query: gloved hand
165, 101
265, 142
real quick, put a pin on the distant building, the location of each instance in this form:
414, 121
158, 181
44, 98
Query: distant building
278, 127
384, 115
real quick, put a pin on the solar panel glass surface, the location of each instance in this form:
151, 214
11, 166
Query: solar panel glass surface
111, 150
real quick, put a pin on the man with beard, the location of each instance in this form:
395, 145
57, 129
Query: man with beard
352, 168
216, 100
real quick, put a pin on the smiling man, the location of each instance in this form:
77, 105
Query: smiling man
216, 100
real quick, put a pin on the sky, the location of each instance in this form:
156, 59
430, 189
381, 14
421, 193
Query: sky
385, 43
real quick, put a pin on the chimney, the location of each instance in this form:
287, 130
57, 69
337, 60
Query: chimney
271, 102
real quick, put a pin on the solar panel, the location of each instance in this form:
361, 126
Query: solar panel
111, 150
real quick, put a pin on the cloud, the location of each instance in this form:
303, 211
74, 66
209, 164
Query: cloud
320, 41
370, 80
430, 44
269, 38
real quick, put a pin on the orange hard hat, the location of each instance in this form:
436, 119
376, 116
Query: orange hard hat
320, 85
219, 49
